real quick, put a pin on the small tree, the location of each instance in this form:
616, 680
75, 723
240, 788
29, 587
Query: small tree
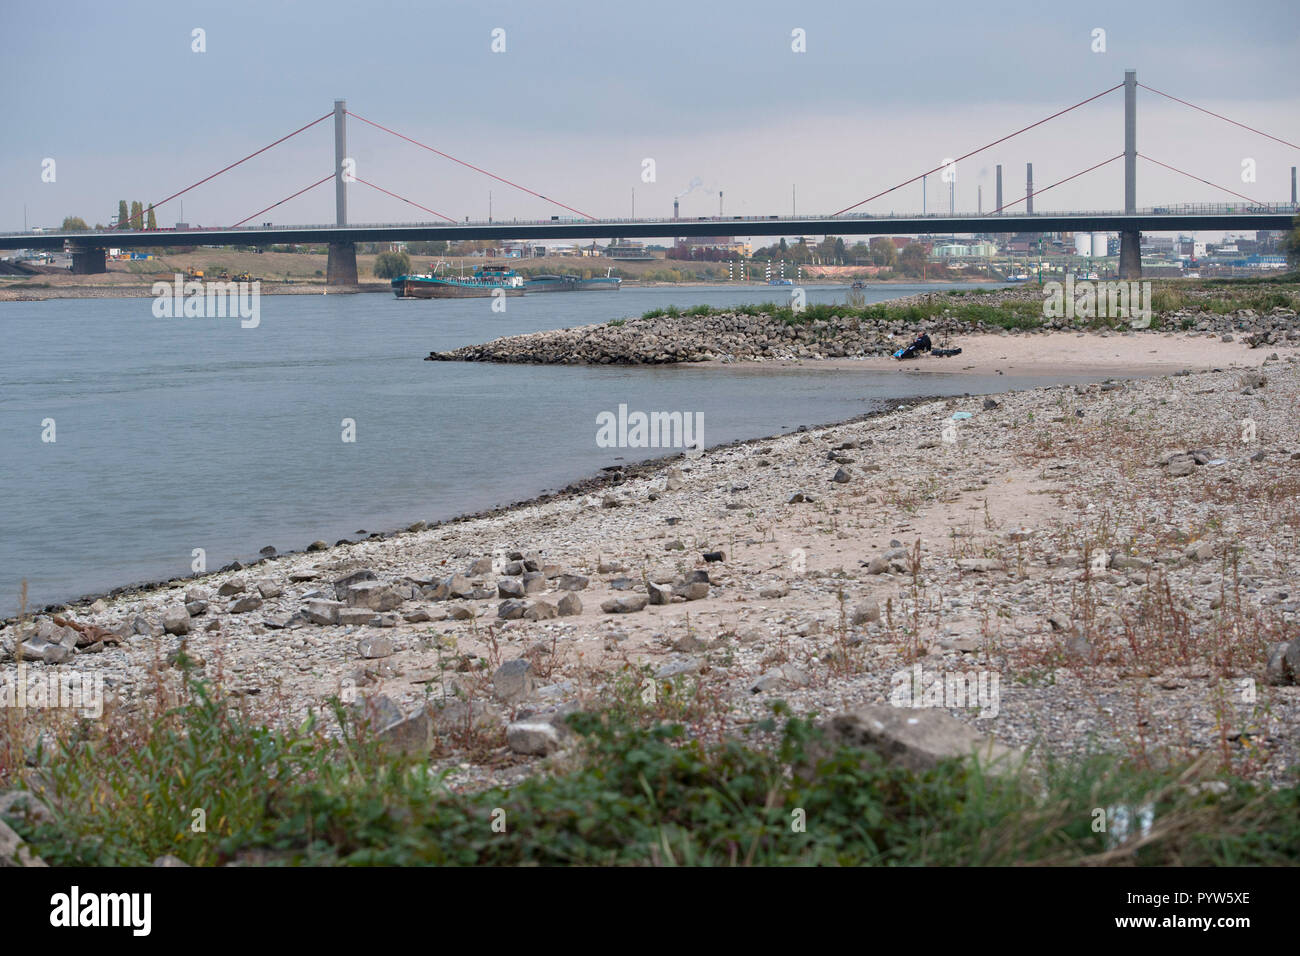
152, 221
122, 214
912, 259
137, 215
1291, 245
74, 224
390, 265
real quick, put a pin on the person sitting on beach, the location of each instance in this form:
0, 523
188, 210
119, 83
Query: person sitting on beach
920, 344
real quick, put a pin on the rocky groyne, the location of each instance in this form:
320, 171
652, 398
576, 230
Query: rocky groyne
736, 336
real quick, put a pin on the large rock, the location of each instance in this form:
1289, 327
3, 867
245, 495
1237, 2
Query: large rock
865, 613
373, 595
510, 587
371, 647
176, 620
533, 738
659, 594
572, 582
14, 850
569, 605
541, 611
917, 738
242, 605
322, 611
625, 605
513, 681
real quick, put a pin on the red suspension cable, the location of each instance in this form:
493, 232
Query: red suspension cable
1218, 116
471, 166
237, 162
1199, 179
404, 199
284, 200
1055, 184
982, 148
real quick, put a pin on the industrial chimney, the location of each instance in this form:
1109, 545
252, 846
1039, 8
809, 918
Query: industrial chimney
1029, 189
674, 209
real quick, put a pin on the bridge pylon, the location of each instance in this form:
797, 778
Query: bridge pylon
341, 268
1130, 240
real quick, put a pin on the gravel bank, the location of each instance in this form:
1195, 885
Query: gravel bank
1120, 556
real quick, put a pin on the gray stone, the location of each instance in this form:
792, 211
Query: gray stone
979, 565
572, 582
785, 677
541, 611
570, 605
917, 738
865, 613
512, 610
355, 577
843, 475
533, 738
196, 608
480, 566
322, 611
510, 587
268, 588
1276, 672
355, 615
242, 605
176, 620
659, 594
692, 591
14, 851
374, 646
373, 595
625, 605
233, 586
513, 681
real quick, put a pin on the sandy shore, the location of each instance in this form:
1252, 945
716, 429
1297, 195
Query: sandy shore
1050, 354
1126, 599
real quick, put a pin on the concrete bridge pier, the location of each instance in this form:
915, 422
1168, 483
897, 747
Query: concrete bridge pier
88, 260
1130, 254
342, 267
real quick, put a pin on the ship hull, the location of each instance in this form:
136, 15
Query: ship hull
408, 288
565, 284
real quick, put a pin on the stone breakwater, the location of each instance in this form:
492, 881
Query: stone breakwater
1119, 555
739, 336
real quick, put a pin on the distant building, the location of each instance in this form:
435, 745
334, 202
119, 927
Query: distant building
628, 250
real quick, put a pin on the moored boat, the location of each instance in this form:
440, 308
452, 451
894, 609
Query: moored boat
485, 281
569, 283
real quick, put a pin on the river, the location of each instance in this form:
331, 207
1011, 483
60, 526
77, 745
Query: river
177, 434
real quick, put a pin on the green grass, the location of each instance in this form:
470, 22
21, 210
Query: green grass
642, 795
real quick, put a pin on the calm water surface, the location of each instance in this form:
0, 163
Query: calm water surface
175, 434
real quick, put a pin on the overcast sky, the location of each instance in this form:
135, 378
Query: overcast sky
584, 92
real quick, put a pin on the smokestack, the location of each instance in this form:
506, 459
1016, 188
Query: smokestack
998, 207
1029, 189
1293, 185
674, 208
